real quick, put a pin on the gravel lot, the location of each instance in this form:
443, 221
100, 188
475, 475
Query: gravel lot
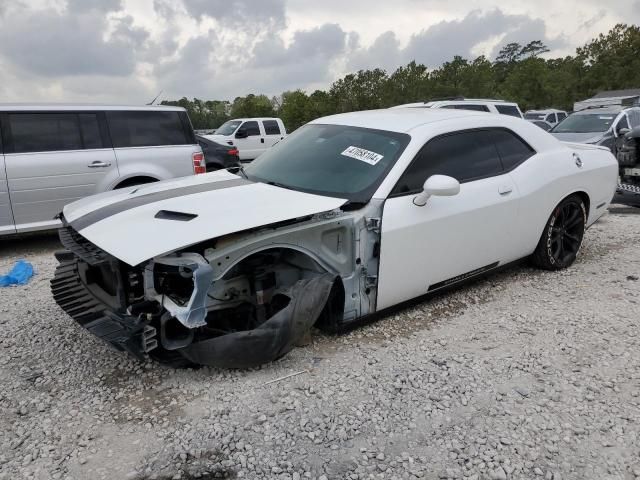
524, 375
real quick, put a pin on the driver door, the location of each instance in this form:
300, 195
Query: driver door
252, 145
450, 238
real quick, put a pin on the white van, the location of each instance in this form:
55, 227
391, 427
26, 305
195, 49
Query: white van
251, 136
52, 155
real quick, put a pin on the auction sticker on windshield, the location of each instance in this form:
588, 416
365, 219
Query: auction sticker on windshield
364, 155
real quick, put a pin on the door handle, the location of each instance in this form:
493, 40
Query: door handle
262, 140
98, 164
505, 190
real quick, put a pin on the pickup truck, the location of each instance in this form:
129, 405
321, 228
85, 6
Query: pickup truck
251, 136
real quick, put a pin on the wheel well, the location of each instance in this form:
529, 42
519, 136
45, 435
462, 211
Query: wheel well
130, 182
585, 198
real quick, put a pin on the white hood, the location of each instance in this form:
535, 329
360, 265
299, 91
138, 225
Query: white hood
128, 224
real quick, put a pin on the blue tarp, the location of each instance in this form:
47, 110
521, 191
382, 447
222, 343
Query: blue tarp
20, 274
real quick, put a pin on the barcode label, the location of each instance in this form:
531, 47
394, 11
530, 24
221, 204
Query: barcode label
363, 155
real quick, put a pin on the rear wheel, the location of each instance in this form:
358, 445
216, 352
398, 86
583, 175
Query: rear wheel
562, 235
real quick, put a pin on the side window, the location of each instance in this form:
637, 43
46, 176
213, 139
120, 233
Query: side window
145, 129
271, 127
634, 118
551, 118
512, 150
252, 128
623, 123
44, 132
90, 130
511, 110
562, 116
468, 106
465, 156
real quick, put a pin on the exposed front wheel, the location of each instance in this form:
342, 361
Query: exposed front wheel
562, 235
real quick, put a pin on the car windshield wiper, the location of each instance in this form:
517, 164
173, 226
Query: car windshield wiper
241, 171
281, 185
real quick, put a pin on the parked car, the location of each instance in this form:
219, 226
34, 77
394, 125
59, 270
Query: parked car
350, 215
217, 155
598, 125
542, 124
53, 155
251, 136
477, 104
549, 115
628, 155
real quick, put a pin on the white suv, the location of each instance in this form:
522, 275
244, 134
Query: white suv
477, 104
52, 155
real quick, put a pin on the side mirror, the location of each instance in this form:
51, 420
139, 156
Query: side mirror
437, 185
241, 133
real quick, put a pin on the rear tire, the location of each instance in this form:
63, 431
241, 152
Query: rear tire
562, 235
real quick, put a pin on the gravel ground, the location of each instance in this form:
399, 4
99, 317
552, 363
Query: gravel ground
524, 375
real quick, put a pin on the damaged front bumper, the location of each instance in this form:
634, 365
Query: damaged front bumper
142, 327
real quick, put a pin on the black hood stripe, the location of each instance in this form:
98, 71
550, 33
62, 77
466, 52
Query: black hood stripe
123, 205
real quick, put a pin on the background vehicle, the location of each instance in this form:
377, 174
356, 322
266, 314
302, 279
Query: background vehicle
252, 136
549, 115
476, 104
542, 124
625, 98
353, 214
218, 155
598, 125
55, 154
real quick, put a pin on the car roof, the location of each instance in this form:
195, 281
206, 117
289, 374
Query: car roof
396, 120
434, 103
244, 119
614, 109
546, 110
55, 107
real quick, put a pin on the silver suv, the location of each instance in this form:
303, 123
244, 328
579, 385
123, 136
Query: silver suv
51, 155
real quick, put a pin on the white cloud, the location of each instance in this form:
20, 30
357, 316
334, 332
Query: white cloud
128, 50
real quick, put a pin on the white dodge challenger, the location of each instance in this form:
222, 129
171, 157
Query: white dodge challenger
348, 216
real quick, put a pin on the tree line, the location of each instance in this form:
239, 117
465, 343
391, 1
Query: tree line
519, 73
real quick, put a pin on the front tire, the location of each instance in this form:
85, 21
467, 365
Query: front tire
562, 236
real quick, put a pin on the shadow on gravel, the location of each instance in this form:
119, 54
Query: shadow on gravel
29, 244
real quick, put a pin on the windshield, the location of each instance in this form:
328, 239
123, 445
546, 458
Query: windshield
534, 116
333, 160
228, 128
586, 123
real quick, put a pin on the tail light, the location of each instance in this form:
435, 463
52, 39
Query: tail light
233, 151
198, 163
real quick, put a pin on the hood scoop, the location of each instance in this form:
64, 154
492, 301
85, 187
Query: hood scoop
177, 216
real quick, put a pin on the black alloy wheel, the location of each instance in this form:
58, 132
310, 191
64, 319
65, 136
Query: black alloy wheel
562, 236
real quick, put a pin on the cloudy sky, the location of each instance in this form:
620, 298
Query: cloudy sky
126, 51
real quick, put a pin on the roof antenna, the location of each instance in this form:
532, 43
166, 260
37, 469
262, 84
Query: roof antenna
155, 98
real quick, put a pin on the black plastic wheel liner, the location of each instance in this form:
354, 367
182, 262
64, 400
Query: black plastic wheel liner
273, 338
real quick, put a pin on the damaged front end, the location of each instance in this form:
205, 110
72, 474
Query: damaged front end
234, 302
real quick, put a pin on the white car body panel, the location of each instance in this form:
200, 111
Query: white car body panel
252, 204
422, 246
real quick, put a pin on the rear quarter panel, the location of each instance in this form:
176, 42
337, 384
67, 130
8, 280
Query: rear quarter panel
550, 176
161, 162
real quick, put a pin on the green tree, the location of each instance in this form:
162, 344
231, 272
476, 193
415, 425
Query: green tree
294, 111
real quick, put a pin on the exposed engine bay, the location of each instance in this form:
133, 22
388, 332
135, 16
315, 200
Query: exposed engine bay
237, 301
